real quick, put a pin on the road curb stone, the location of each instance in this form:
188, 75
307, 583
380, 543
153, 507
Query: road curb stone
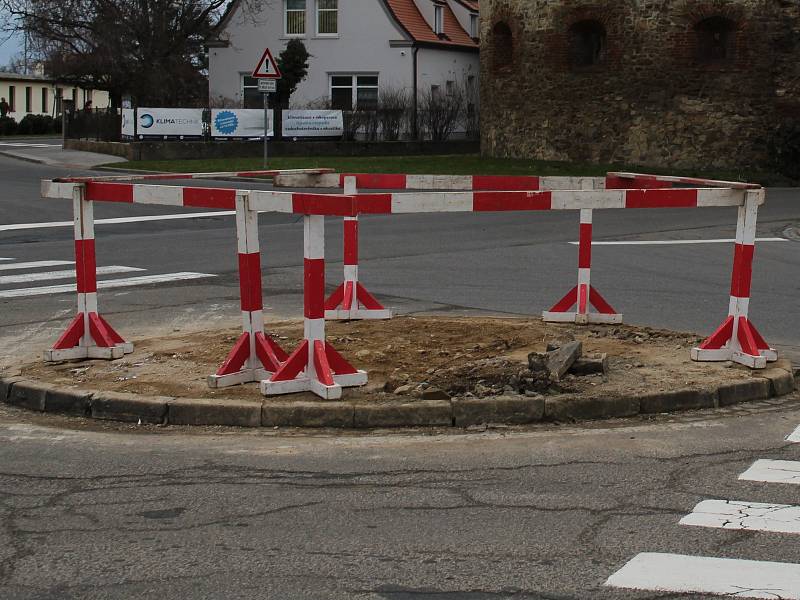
68, 401
676, 400
424, 413
781, 381
232, 413
743, 391
308, 414
28, 394
132, 408
498, 409
592, 408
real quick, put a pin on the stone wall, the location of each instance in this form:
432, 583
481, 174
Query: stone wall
655, 96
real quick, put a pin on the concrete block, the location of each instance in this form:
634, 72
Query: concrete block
590, 366
307, 414
577, 408
115, 406
6, 383
675, 400
561, 359
406, 414
781, 382
68, 400
233, 413
743, 391
28, 394
512, 410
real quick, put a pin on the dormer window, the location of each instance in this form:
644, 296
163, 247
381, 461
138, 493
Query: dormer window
438, 19
474, 26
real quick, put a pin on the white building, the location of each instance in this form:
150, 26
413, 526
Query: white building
39, 95
357, 47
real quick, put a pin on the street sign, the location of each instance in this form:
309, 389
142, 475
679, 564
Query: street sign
267, 67
266, 86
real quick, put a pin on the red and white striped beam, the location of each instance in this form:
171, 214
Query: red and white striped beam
583, 295
617, 180
351, 300
88, 335
255, 355
737, 339
168, 176
315, 366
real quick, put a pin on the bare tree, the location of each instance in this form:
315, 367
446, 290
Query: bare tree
393, 112
441, 110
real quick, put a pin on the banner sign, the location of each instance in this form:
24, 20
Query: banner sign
240, 122
128, 122
170, 121
312, 123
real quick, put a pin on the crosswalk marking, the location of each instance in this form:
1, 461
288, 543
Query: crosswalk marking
119, 220
794, 437
106, 284
752, 516
699, 574
67, 274
773, 471
35, 264
28, 145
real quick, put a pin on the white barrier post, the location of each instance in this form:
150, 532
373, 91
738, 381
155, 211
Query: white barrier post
255, 356
351, 300
88, 335
737, 339
583, 294
315, 365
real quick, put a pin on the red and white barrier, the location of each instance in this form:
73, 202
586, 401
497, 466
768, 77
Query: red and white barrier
737, 339
255, 355
584, 294
351, 300
88, 335
315, 365
216, 175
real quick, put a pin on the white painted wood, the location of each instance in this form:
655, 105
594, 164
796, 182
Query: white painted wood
313, 236
107, 284
750, 516
50, 275
158, 194
773, 471
706, 575
795, 436
267, 201
579, 199
720, 197
432, 202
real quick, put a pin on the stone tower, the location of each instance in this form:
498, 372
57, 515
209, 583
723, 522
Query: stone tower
677, 83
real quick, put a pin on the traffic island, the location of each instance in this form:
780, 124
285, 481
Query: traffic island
423, 371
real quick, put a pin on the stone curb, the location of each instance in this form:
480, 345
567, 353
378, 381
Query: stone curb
778, 380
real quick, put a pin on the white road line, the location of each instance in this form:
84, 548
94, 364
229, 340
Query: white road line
118, 220
773, 471
705, 575
35, 264
48, 275
6, 259
752, 516
28, 145
676, 242
104, 285
794, 437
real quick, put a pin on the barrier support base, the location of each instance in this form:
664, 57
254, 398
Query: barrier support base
314, 367
582, 296
248, 363
103, 342
744, 346
351, 301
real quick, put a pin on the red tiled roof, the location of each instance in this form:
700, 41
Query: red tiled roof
470, 4
410, 19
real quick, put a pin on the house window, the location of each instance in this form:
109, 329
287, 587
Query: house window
327, 17
474, 26
251, 97
75, 97
716, 40
450, 87
502, 46
436, 92
295, 17
438, 19
12, 97
44, 101
587, 43
354, 91
28, 99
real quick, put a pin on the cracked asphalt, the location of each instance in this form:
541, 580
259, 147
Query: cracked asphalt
105, 511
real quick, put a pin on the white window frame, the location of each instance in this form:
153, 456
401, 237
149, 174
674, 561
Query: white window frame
321, 10
354, 85
286, 19
438, 19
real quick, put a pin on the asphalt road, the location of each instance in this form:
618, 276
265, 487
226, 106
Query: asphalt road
499, 263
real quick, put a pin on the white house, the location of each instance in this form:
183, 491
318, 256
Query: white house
40, 95
357, 47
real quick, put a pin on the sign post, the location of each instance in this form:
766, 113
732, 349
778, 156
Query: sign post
267, 73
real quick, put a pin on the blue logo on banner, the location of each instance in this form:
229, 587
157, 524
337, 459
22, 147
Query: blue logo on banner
226, 122
146, 120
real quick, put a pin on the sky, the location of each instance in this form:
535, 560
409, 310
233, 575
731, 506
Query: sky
9, 48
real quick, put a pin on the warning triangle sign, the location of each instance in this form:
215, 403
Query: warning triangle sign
267, 67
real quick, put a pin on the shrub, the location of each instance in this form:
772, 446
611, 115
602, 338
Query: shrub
8, 126
37, 125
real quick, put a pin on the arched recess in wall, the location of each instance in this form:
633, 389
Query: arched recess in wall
502, 47
587, 43
715, 40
